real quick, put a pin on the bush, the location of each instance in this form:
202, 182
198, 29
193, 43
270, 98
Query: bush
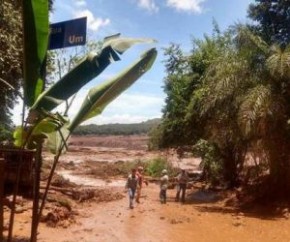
155, 138
211, 163
154, 167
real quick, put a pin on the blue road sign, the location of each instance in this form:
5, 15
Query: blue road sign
68, 33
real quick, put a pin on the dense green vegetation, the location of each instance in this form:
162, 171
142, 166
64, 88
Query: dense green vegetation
230, 97
117, 129
11, 55
10, 59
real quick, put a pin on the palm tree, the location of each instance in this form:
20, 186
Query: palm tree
213, 109
248, 92
264, 111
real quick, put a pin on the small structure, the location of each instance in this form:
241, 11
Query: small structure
18, 163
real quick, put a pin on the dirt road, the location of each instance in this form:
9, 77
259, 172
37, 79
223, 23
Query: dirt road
199, 220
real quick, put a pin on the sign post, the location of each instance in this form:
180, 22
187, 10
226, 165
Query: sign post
68, 33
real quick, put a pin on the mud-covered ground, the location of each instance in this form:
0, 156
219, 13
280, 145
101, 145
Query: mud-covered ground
97, 209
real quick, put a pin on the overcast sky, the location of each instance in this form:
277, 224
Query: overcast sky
167, 21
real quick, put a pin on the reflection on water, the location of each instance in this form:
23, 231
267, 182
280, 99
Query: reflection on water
90, 181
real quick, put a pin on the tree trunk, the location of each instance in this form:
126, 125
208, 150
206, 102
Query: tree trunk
279, 154
232, 157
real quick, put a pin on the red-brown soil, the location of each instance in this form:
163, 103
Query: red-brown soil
205, 217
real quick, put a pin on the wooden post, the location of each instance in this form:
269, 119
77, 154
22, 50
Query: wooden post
36, 185
15, 192
2, 169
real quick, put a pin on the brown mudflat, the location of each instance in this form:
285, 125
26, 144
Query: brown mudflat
204, 217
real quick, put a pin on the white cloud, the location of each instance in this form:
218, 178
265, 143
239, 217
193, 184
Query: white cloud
148, 5
119, 118
186, 5
94, 23
135, 103
80, 3
127, 108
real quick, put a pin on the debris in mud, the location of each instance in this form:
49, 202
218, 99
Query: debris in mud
83, 194
59, 216
106, 170
237, 223
106, 195
285, 213
60, 181
86, 194
175, 221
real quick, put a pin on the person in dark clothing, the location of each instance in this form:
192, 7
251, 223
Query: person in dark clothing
132, 184
182, 180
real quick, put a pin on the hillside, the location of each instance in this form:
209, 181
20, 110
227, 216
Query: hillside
117, 129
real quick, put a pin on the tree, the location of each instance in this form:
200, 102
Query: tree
236, 101
179, 84
11, 55
265, 109
273, 19
10, 58
253, 97
212, 108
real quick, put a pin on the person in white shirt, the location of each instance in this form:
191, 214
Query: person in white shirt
163, 186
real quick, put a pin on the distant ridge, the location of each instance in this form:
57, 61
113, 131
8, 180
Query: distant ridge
117, 129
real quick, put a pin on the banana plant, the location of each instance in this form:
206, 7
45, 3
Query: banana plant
40, 117
41, 122
88, 68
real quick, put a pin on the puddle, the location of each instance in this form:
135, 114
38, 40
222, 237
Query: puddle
90, 181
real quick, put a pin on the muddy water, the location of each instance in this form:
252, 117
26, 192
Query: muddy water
91, 182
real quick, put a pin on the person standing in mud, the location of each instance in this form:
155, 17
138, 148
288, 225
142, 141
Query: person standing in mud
131, 185
141, 180
163, 186
182, 180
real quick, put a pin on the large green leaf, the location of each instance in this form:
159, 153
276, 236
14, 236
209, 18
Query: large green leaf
19, 136
99, 97
90, 67
121, 44
56, 141
36, 30
32, 134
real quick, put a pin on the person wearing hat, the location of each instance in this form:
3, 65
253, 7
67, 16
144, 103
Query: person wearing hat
140, 185
182, 180
163, 186
131, 185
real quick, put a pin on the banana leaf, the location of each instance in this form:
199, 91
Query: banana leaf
122, 44
90, 67
19, 136
56, 141
99, 97
31, 135
36, 31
